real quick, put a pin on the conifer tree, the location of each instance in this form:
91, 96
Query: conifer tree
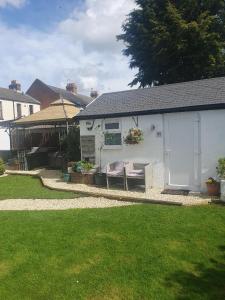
175, 40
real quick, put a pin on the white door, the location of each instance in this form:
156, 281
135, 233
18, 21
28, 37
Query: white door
182, 151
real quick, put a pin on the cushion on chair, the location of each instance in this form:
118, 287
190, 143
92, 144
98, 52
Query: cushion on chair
135, 173
115, 173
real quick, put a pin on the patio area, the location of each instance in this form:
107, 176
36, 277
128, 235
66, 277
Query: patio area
53, 180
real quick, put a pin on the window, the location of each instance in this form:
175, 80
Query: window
31, 109
112, 134
19, 112
109, 126
112, 139
1, 112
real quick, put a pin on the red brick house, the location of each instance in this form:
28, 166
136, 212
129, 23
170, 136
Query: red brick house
46, 94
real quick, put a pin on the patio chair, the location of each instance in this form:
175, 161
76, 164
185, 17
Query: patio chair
115, 170
139, 171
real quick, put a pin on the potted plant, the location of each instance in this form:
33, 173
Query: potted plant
135, 136
213, 187
66, 177
221, 174
83, 172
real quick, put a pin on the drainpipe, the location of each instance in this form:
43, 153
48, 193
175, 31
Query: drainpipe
14, 115
100, 158
10, 138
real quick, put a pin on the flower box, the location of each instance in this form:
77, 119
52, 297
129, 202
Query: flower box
82, 178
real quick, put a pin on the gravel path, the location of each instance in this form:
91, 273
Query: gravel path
53, 180
45, 204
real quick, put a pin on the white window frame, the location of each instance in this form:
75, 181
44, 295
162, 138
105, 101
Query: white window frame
119, 130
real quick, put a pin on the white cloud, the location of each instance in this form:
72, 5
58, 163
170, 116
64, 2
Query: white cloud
99, 24
82, 48
15, 3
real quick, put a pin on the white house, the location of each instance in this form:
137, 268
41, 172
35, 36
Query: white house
13, 105
183, 127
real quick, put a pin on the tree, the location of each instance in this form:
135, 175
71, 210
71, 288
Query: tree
71, 144
175, 40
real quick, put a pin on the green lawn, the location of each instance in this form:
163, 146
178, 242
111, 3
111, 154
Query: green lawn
138, 252
17, 186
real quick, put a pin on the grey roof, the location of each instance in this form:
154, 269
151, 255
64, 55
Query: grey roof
78, 99
7, 94
192, 95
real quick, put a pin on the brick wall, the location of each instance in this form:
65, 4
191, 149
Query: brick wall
42, 93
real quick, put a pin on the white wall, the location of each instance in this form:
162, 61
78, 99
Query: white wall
8, 114
212, 142
7, 108
149, 150
211, 135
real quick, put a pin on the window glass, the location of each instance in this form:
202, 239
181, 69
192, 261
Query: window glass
31, 109
19, 113
114, 125
112, 139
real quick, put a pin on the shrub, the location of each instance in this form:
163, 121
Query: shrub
221, 168
2, 167
71, 144
82, 166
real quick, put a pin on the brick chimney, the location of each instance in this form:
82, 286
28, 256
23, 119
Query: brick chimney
15, 86
94, 94
71, 87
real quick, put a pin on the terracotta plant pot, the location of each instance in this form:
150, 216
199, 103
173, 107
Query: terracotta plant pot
213, 189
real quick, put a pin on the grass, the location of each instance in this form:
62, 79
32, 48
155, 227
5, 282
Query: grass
18, 187
137, 252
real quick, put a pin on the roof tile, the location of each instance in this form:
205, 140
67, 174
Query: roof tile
165, 97
7, 94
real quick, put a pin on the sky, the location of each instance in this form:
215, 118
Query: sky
61, 41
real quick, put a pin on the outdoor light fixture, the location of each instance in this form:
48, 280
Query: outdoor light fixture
152, 127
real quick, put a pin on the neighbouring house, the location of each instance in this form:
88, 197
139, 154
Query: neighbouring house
40, 135
47, 94
183, 127
14, 105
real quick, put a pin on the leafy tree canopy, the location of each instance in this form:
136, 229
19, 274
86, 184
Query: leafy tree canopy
175, 40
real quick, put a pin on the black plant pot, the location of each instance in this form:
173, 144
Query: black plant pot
100, 179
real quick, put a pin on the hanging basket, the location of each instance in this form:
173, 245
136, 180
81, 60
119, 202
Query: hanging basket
134, 137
